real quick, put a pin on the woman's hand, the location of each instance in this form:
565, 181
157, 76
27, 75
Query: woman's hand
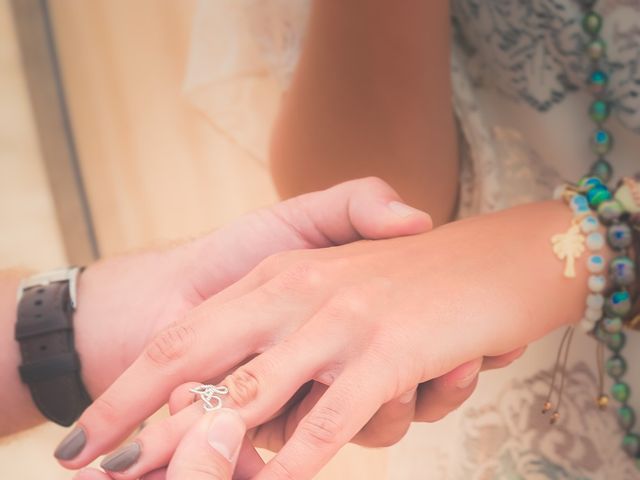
370, 320
124, 301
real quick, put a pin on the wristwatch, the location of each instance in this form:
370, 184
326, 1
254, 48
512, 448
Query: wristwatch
44, 329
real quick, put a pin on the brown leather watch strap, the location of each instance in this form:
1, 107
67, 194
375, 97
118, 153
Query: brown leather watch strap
50, 365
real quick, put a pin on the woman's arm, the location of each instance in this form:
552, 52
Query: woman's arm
372, 96
370, 320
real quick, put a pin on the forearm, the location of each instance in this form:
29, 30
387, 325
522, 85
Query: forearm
515, 245
372, 96
18, 411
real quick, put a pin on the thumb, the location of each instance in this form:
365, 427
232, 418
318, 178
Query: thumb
210, 449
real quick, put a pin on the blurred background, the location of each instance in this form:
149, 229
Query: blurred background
101, 153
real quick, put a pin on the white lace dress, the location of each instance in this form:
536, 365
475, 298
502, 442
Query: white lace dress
518, 70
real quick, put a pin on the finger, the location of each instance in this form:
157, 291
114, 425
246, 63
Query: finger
358, 209
440, 396
210, 449
390, 423
186, 352
501, 361
365, 208
342, 411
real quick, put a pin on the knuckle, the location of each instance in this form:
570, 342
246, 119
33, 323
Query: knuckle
171, 344
323, 426
104, 411
372, 182
243, 385
273, 264
301, 278
350, 303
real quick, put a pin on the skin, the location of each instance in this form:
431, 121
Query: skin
118, 298
371, 95
355, 319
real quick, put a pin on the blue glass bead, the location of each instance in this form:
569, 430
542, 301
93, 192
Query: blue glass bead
602, 170
618, 304
589, 224
597, 195
595, 241
631, 444
621, 391
596, 49
619, 236
610, 211
615, 341
592, 23
589, 182
626, 417
595, 263
601, 142
598, 81
578, 201
623, 271
616, 366
599, 111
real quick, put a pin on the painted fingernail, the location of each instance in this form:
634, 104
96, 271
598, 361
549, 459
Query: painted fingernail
402, 209
122, 459
465, 382
226, 432
407, 396
71, 445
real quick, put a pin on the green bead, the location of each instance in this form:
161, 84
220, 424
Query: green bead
626, 417
598, 81
616, 341
618, 304
631, 444
597, 195
599, 111
622, 271
610, 211
596, 49
616, 366
612, 324
602, 170
601, 142
620, 391
592, 23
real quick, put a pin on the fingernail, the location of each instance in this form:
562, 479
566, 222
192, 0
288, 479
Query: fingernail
402, 209
226, 432
122, 459
72, 445
468, 380
407, 396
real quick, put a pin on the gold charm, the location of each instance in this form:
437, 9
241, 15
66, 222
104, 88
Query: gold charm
628, 194
569, 246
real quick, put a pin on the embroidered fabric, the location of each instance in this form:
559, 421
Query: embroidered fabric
524, 124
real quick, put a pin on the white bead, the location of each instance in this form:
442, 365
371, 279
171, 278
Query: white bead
587, 325
595, 300
593, 314
597, 283
595, 241
589, 224
595, 263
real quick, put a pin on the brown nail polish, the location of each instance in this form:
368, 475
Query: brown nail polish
122, 459
72, 445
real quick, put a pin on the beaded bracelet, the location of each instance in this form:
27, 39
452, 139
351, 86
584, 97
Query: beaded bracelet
620, 213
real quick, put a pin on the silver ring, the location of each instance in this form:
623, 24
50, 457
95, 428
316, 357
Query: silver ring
210, 396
